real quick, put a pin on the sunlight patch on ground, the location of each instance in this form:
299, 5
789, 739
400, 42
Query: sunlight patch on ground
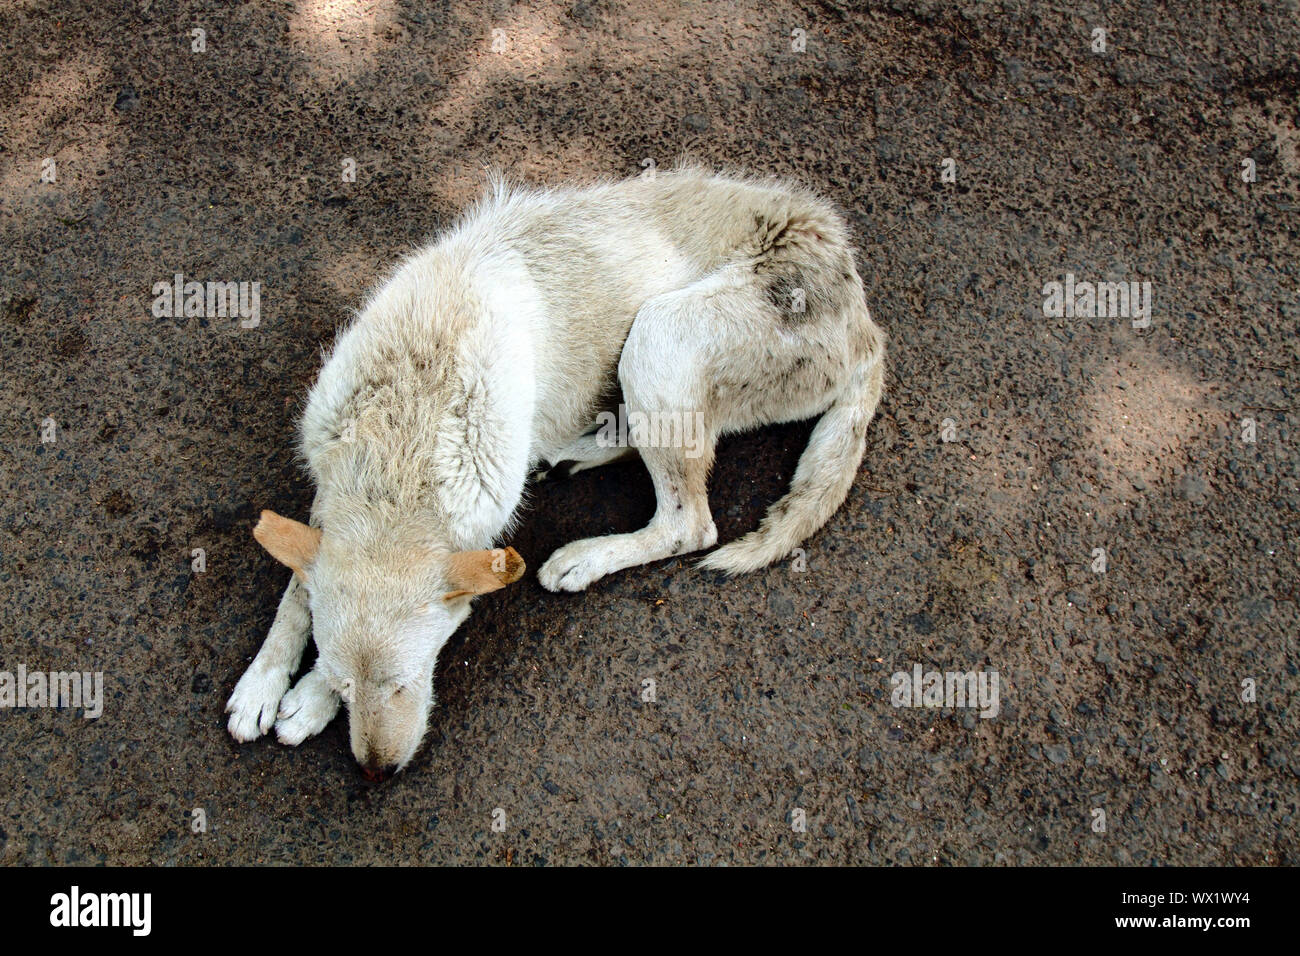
340, 38
1142, 420
49, 123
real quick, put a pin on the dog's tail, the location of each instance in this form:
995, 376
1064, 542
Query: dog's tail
822, 479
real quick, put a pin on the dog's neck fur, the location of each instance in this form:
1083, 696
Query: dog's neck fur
390, 433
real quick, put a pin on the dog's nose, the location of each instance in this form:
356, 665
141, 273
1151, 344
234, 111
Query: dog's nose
375, 772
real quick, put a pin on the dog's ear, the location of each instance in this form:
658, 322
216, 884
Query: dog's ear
290, 542
477, 572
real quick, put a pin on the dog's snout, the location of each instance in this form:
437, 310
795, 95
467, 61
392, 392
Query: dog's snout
377, 772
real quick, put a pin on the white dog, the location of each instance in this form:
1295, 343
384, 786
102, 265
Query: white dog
717, 303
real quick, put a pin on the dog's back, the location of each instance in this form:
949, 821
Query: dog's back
595, 255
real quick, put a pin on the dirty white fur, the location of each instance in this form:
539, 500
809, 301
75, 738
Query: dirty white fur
491, 351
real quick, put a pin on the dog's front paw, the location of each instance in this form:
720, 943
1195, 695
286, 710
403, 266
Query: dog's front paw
253, 704
574, 566
306, 710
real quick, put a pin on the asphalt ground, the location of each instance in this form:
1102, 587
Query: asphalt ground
1098, 508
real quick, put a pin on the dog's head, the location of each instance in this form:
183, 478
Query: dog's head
379, 618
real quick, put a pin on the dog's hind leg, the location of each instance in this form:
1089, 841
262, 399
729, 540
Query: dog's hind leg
662, 371
255, 702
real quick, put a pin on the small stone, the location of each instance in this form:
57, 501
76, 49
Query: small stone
127, 99
1191, 487
583, 14
921, 622
780, 605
